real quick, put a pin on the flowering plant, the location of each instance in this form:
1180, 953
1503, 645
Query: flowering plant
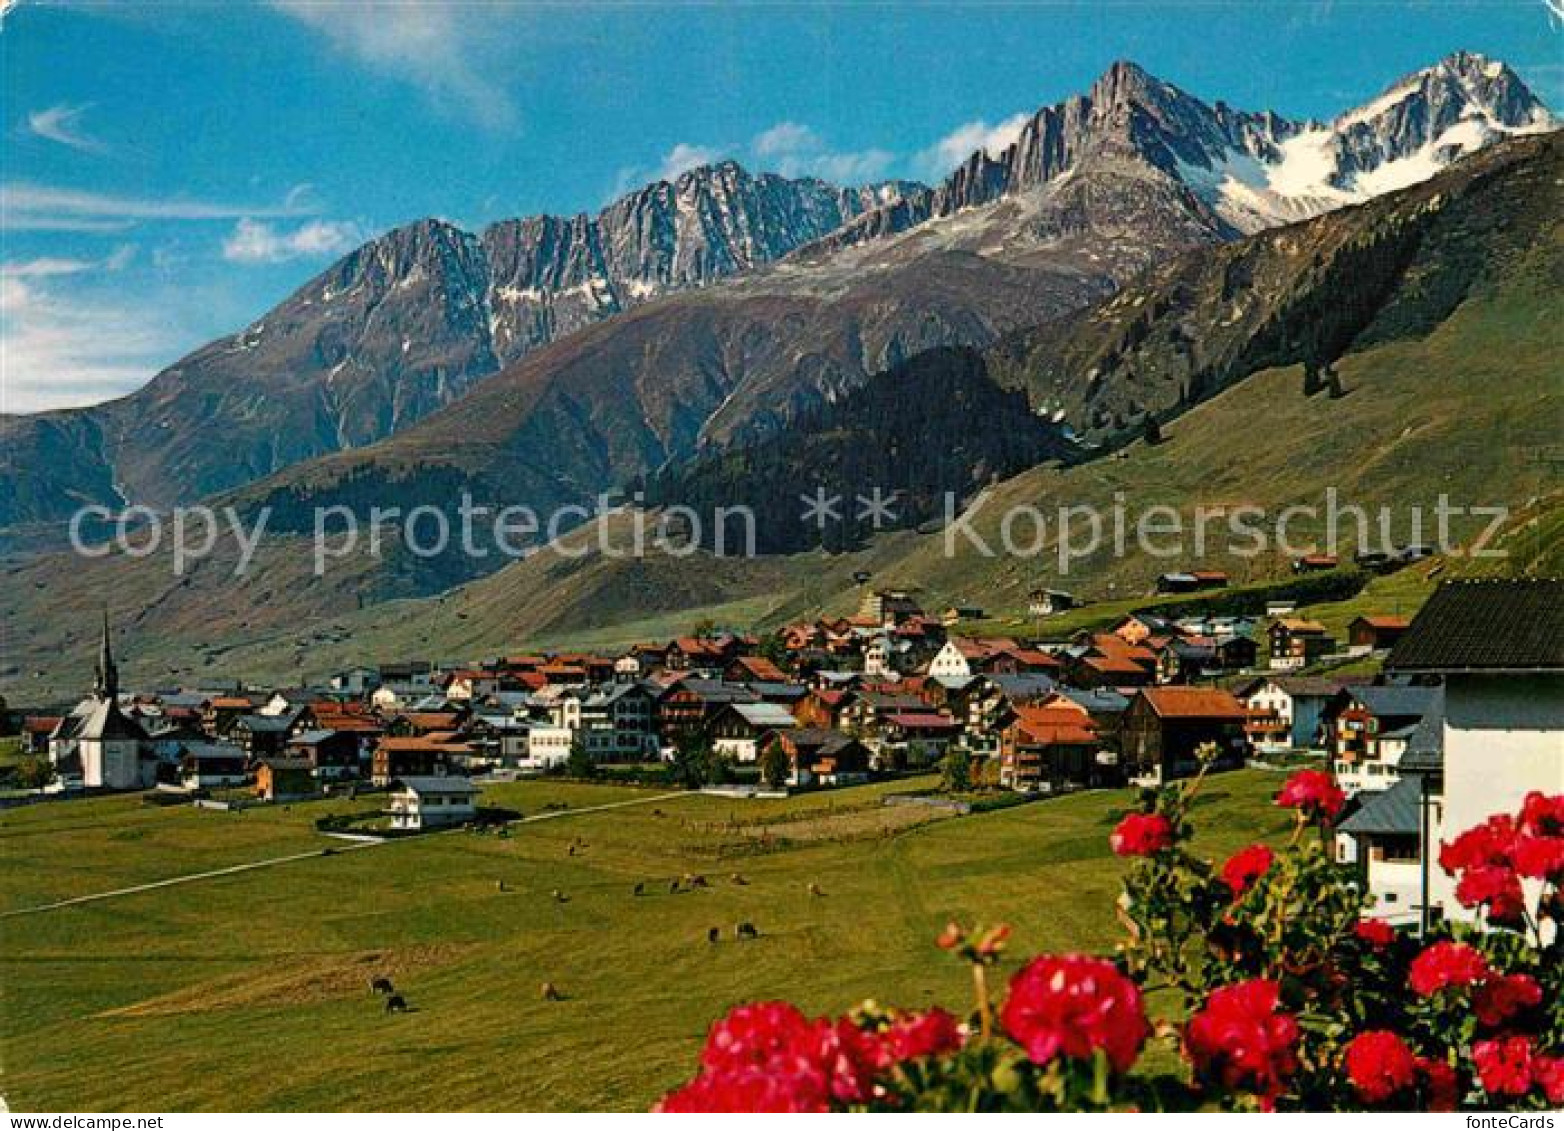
1282, 995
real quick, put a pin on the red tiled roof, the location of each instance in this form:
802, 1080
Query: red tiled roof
921, 720
1194, 703
40, 724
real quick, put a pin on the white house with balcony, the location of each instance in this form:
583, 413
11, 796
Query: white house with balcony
421, 803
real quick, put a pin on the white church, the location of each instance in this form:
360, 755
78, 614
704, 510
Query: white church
98, 746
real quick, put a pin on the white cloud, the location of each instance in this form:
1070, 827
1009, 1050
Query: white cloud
60, 350
965, 140
795, 150
62, 124
49, 266
682, 158
255, 242
432, 45
25, 206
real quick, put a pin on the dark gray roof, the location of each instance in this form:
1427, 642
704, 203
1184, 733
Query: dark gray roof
1396, 811
1098, 701
431, 784
1023, 685
1494, 625
1394, 700
1425, 752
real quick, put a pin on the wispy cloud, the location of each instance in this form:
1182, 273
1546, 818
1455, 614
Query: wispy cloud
62, 124
433, 45
60, 346
682, 158
253, 241
795, 150
965, 140
25, 206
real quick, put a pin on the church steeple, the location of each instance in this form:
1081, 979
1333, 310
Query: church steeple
106, 676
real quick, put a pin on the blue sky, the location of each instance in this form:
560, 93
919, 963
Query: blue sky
172, 171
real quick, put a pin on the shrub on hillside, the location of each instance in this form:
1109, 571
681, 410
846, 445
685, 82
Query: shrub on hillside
1289, 998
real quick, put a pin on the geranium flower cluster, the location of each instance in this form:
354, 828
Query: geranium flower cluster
1257, 944
1490, 861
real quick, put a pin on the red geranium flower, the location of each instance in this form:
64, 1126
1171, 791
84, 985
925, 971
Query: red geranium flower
1376, 932
1502, 997
1242, 1040
1543, 815
915, 1035
1142, 834
1487, 843
1246, 866
1504, 1066
1441, 1086
1549, 1072
1380, 1065
1539, 857
1447, 964
1073, 1005
746, 1090
1314, 792
1495, 886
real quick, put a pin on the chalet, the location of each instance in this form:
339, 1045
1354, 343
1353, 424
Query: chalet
686, 706
1049, 602
1164, 726
1120, 669
866, 710
330, 754
1499, 647
618, 723
1285, 712
786, 694
737, 729
957, 614
1235, 650
417, 673
466, 684
1375, 633
212, 765
1384, 838
695, 653
261, 736
547, 746
412, 756
1297, 643
888, 606
222, 711
355, 681
1192, 581
285, 779
1367, 728
405, 724
1049, 748
909, 739
753, 669
822, 708
985, 704
821, 757
419, 803
1134, 629
1314, 563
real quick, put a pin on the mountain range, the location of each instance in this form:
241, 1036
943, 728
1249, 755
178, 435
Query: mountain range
820, 287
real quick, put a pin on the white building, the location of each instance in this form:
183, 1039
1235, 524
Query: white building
98, 746
1287, 712
419, 803
547, 746
1499, 644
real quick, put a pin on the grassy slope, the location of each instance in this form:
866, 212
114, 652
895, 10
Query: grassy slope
269, 1007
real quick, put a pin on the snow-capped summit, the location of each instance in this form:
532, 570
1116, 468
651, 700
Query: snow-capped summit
1419, 125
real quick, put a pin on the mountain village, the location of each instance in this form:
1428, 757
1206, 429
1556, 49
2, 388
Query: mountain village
1465, 717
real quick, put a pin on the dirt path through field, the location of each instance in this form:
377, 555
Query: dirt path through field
333, 850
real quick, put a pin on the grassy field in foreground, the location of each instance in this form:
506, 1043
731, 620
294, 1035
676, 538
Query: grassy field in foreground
249, 991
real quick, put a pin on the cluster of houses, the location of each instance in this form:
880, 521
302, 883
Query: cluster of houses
1467, 716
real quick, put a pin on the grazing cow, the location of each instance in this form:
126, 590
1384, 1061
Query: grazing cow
673, 887
814, 889
381, 986
560, 897
640, 889
738, 879
396, 1004
713, 934
746, 931
550, 992
571, 851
